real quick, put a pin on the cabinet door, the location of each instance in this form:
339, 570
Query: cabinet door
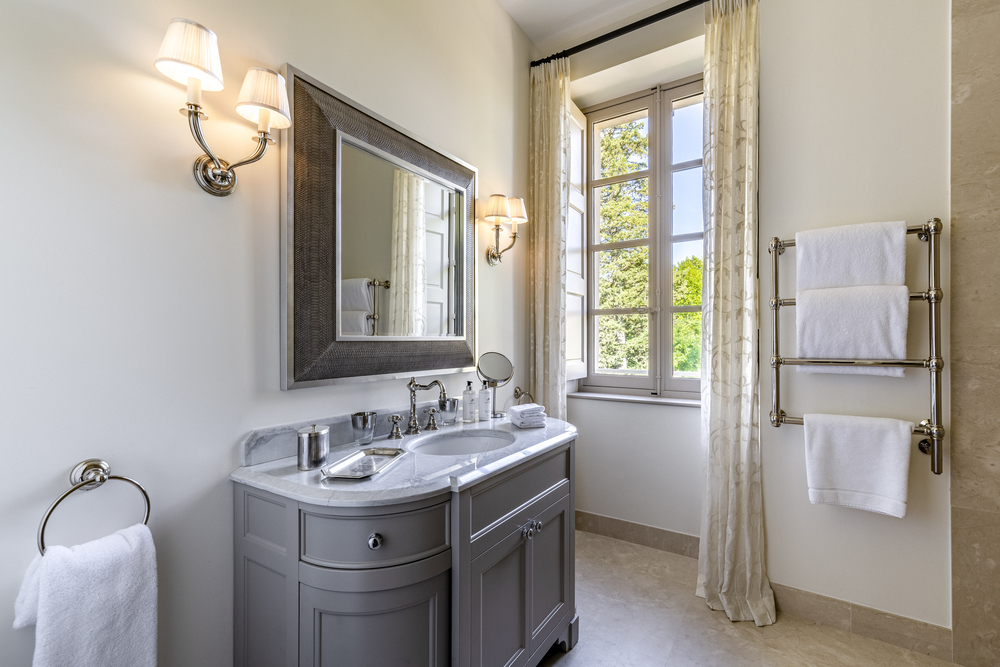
551, 571
499, 581
401, 627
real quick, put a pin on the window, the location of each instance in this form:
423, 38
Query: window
645, 233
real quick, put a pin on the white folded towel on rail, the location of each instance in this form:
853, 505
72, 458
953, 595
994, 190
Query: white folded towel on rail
93, 605
355, 294
873, 253
867, 322
860, 462
355, 323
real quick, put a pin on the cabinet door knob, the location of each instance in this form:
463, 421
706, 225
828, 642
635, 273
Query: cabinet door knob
374, 541
527, 530
538, 526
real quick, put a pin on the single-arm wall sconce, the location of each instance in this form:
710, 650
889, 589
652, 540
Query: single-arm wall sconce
190, 55
503, 209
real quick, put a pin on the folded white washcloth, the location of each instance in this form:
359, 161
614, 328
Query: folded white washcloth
355, 323
869, 254
355, 294
529, 423
526, 410
867, 322
93, 605
860, 462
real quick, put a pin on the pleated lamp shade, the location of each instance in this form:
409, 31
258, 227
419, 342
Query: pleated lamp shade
518, 214
497, 210
190, 50
264, 89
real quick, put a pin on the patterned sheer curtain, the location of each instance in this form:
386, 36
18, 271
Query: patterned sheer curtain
548, 201
731, 573
408, 271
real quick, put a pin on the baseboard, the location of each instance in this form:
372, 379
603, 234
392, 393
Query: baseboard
638, 533
908, 633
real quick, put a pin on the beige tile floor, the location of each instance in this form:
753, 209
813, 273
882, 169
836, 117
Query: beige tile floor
637, 609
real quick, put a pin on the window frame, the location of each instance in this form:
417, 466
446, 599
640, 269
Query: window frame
660, 380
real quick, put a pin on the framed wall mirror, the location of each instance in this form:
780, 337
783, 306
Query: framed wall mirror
378, 242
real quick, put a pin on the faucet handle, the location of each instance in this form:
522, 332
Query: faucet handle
432, 421
395, 434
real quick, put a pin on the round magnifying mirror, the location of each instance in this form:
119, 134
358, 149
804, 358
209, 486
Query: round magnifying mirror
495, 368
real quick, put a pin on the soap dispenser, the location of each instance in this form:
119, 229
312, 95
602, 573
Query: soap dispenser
469, 404
485, 404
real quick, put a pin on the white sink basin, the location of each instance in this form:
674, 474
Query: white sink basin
459, 443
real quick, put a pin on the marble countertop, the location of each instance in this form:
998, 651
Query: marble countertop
414, 477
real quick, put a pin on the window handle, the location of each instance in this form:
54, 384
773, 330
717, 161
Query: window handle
645, 310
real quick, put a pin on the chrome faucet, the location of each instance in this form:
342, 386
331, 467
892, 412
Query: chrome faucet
413, 427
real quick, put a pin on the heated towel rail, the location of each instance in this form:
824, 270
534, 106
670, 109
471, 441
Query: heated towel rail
930, 234
375, 284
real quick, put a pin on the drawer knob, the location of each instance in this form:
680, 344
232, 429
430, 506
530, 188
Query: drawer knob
374, 541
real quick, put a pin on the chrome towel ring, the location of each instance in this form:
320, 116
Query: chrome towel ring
87, 475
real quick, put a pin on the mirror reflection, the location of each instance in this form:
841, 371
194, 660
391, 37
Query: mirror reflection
400, 250
495, 368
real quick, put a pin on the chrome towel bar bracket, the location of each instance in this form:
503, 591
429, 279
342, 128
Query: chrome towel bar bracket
930, 234
87, 475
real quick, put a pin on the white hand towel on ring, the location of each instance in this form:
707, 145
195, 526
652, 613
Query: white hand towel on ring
93, 605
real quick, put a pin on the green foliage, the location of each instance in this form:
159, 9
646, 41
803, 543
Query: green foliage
687, 281
623, 280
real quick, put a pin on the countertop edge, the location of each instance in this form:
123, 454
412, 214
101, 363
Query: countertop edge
309, 494
459, 484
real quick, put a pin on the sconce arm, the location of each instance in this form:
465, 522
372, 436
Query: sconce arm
194, 121
513, 240
493, 253
213, 174
263, 139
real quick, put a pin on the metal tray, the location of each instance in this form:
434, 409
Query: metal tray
363, 463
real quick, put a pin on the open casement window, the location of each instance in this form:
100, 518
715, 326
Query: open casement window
645, 232
576, 252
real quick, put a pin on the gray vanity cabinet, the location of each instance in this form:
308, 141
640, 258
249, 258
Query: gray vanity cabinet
311, 591
481, 577
515, 594
404, 626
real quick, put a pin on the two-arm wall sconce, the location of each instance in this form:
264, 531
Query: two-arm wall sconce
503, 209
190, 55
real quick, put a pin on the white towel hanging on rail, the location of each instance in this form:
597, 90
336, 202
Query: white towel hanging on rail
860, 462
872, 253
868, 322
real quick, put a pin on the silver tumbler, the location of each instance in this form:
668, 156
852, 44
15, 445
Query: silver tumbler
363, 424
314, 445
448, 408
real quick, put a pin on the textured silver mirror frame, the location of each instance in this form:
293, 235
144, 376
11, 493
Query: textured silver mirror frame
311, 355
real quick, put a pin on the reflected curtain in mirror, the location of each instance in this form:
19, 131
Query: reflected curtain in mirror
407, 298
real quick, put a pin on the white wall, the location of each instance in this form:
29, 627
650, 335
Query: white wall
855, 128
854, 120
140, 314
639, 462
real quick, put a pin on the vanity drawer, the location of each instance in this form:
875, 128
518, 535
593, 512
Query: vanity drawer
497, 498
343, 541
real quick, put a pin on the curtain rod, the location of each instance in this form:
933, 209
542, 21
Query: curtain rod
624, 30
